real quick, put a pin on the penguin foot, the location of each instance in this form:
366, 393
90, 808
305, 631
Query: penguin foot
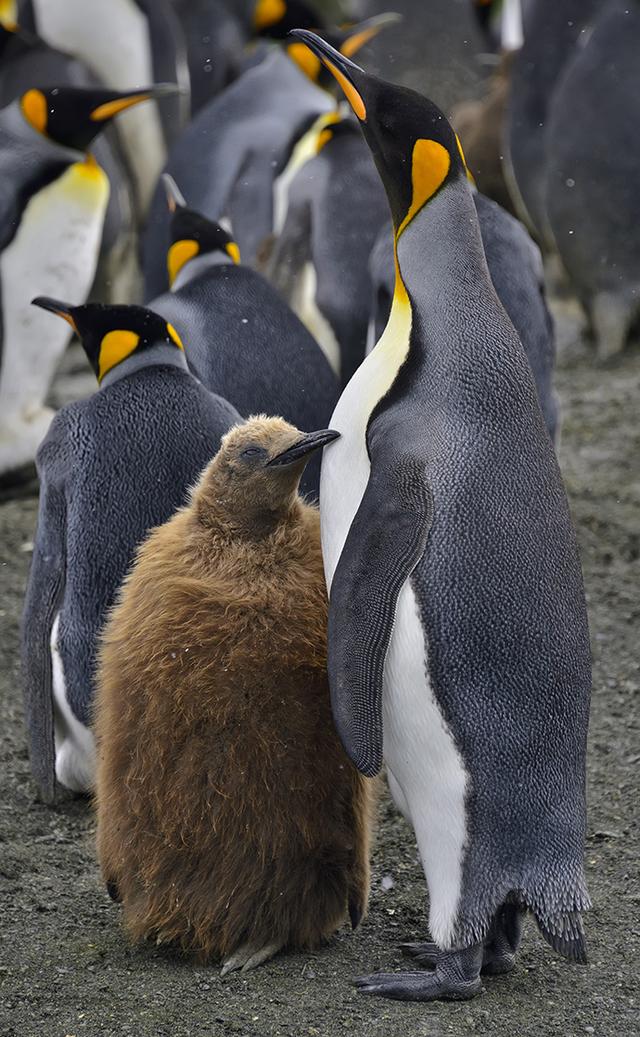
495, 961
456, 977
249, 956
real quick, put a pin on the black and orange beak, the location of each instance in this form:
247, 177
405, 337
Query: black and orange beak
347, 74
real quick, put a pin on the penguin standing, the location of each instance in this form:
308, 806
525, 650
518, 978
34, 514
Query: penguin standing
230, 820
516, 270
229, 159
458, 642
334, 209
125, 43
215, 35
53, 199
593, 158
244, 341
110, 468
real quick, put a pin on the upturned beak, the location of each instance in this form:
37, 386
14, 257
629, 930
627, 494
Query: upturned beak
175, 198
345, 72
119, 102
304, 447
61, 309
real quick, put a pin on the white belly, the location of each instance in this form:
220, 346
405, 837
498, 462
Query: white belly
428, 779
113, 39
75, 746
55, 252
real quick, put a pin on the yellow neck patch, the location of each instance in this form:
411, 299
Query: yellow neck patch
179, 254
232, 250
430, 165
111, 108
115, 347
174, 336
34, 109
268, 12
9, 14
470, 176
305, 59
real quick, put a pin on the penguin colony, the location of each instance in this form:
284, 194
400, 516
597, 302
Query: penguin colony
317, 252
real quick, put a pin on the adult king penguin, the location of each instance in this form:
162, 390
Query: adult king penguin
458, 641
244, 341
111, 467
53, 199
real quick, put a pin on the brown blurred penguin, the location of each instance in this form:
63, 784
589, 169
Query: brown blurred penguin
230, 821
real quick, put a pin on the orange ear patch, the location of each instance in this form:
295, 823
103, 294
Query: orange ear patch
179, 254
34, 109
305, 59
430, 165
268, 12
115, 347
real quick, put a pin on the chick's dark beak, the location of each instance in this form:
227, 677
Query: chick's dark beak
303, 449
346, 73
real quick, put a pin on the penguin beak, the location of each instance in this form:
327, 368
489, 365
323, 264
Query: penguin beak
119, 102
61, 309
345, 72
175, 198
360, 34
304, 448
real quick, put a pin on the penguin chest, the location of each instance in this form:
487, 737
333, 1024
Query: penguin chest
54, 252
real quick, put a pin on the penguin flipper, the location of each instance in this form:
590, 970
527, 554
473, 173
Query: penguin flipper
386, 540
44, 591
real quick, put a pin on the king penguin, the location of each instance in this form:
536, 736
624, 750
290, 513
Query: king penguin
244, 341
53, 199
124, 43
111, 467
458, 641
591, 183
515, 266
229, 159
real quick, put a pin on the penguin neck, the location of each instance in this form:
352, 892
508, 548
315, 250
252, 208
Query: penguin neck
160, 355
200, 265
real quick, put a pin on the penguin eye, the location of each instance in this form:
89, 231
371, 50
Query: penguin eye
252, 451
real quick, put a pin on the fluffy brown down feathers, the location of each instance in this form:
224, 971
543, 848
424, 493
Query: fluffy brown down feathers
228, 812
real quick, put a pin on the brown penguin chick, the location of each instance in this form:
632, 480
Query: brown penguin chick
230, 820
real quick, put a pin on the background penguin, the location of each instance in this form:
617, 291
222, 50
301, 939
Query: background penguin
515, 266
229, 818
52, 208
592, 166
215, 34
319, 262
230, 157
553, 32
111, 467
458, 641
124, 43
244, 341
25, 60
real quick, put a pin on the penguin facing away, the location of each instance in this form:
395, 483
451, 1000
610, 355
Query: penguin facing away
458, 647
230, 820
591, 197
229, 159
124, 43
319, 262
516, 270
244, 341
110, 467
53, 199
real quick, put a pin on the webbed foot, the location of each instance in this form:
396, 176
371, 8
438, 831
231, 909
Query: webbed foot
456, 977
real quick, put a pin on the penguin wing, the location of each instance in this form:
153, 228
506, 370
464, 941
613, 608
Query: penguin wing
44, 592
386, 540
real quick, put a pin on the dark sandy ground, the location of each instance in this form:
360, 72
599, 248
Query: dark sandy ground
66, 969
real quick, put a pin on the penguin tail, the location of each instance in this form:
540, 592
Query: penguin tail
566, 935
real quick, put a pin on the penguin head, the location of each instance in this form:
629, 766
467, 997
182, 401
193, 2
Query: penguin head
414, 146
252, 482
192, 234
74, 115
110, 334
276, 18
347, 40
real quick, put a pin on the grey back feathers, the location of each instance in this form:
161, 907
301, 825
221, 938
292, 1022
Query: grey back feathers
243, 342
227, 159
111, 467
